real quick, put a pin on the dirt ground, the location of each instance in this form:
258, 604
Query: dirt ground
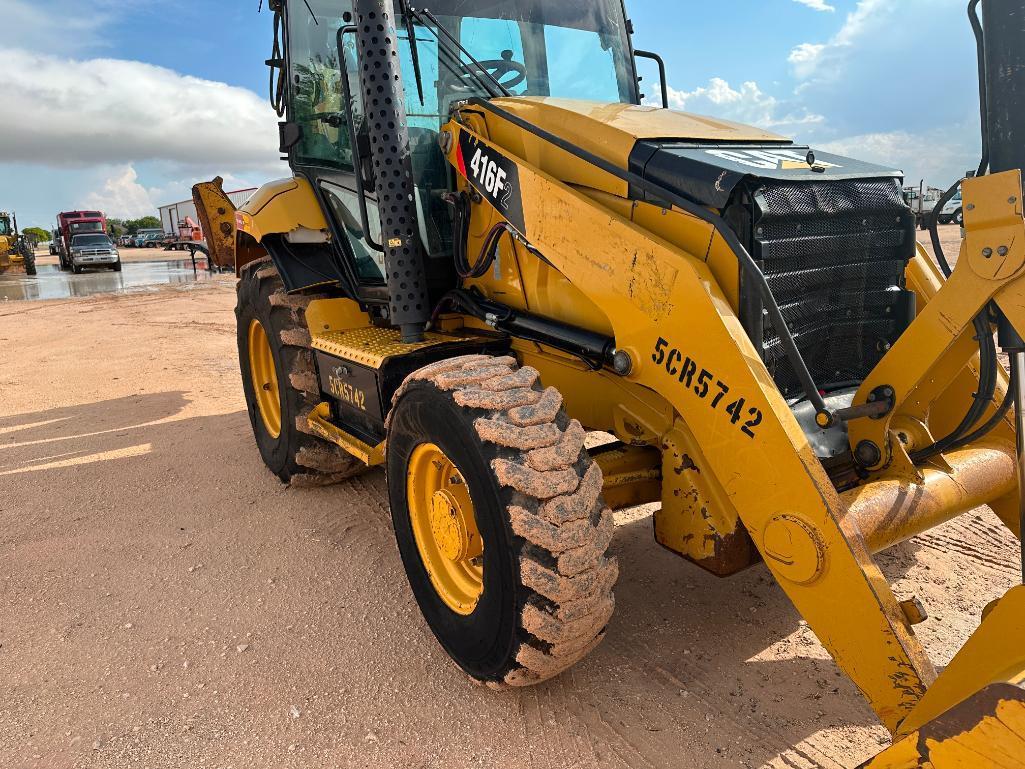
165, 602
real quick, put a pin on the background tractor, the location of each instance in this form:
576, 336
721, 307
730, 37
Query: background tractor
14, 246
490, 249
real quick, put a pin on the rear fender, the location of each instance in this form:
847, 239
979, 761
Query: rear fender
281, 210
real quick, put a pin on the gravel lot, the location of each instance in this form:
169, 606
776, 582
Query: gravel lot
164, 602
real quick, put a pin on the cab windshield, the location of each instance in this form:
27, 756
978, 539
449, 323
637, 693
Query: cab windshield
5, 227
576, 50
77, 227
91, 241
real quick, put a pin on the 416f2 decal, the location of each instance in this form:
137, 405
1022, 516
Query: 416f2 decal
709, 388
494, 176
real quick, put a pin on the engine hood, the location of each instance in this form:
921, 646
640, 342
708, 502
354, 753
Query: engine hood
611, 131
701, 157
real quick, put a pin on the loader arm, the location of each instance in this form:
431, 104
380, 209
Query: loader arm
687, 344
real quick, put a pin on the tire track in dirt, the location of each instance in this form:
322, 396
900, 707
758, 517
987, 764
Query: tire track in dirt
562, 730
691, 677
997, 549
354, 516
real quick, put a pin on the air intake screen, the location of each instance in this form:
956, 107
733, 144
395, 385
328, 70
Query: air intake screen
834, 254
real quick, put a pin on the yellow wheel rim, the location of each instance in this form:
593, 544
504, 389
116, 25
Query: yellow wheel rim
265, 379
445, 528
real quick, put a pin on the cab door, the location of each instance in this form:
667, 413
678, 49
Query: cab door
333, 149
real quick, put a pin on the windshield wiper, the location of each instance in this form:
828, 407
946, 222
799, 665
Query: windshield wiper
414, 50
477, 70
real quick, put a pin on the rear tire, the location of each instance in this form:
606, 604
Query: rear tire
30, 265
959, 217
547, 583
292, 454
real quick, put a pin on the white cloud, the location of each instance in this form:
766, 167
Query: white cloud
749, 105
80, 113
816, 5
61, 26
805, 57
122, 196
825, 59
55, 24
938, 156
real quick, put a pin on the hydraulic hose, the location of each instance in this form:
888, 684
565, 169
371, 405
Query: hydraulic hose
981, 399
276, 63
461, 226
983, 330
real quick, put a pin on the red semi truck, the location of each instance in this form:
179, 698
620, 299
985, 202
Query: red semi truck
72, 223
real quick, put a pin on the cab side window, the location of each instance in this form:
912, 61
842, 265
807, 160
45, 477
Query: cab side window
315, 81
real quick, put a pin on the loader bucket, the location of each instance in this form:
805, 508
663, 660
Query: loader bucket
985, 726
986, 731
217, 217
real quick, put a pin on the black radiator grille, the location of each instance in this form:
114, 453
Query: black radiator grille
834, 254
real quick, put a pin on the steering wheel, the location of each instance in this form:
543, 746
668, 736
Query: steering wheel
497, 69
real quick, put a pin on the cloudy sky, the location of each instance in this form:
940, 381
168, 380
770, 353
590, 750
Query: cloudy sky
124, 105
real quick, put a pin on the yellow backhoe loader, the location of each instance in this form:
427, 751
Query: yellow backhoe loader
14, 247
490, 248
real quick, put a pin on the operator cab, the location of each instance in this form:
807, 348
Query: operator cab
524, 48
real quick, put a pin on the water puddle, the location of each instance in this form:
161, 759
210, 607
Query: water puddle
51, 283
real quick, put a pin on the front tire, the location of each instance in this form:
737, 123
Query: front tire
959, 217
280, 382
544, 597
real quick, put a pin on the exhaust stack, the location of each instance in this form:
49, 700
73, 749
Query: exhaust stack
385, 103
1004, 25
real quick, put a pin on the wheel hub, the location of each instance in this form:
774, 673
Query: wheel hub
456, 536
445, 528
265, 379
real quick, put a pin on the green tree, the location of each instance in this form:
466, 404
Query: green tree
145, 223
40, 235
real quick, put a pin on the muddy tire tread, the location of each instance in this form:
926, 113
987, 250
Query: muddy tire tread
559, 522
315, 462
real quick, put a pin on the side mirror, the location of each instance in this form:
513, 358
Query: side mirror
289, 135
661, 72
